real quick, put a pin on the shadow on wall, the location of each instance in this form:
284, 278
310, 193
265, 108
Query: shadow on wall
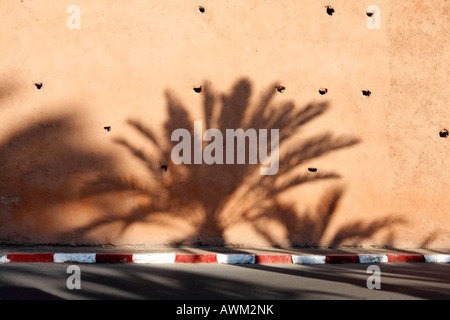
56, 190
212, 198
42, 166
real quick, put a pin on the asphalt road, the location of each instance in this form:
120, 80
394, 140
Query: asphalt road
225, 282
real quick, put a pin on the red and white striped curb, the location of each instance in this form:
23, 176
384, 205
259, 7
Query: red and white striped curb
145, 258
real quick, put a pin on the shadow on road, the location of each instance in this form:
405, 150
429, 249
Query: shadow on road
223, 282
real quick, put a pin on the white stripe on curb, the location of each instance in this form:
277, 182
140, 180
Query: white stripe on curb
439, 258
4, 259
308, 259
235, 258
154, 258
373, 258
74, 257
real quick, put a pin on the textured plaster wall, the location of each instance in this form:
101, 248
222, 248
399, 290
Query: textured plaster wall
85, 157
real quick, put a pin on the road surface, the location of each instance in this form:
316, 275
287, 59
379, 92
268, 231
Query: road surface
227, 282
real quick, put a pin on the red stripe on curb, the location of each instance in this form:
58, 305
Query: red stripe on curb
405, 258
285, 258
195, 258
30, 257
342, 258
113, 258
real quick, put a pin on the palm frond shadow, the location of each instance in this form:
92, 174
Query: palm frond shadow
41, 168
228, 195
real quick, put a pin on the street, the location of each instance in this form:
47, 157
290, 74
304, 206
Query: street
224, 282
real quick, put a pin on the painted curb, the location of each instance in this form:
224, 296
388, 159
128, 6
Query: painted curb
164, 258
437, 258
113, 258
31, 257
309, 259
342, 258
269, 258
373, 258
74, 257
405, 258
235, 258
196, 258
153, 258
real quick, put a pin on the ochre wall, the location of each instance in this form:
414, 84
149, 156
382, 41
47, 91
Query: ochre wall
382, 175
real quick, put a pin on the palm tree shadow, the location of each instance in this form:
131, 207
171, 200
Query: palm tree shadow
42, 168
231, 194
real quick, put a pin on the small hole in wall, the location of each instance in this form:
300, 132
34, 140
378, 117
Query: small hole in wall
323, 91
312, 169
108, 129
330, 10
164, 167
38, 85
198, 89
443, 133
280, 88
369, 14
201, 9
366, 93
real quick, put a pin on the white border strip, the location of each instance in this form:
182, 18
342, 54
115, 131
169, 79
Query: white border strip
154, 258
308, 259
74, 257
373, 258
235, 258
438, 258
